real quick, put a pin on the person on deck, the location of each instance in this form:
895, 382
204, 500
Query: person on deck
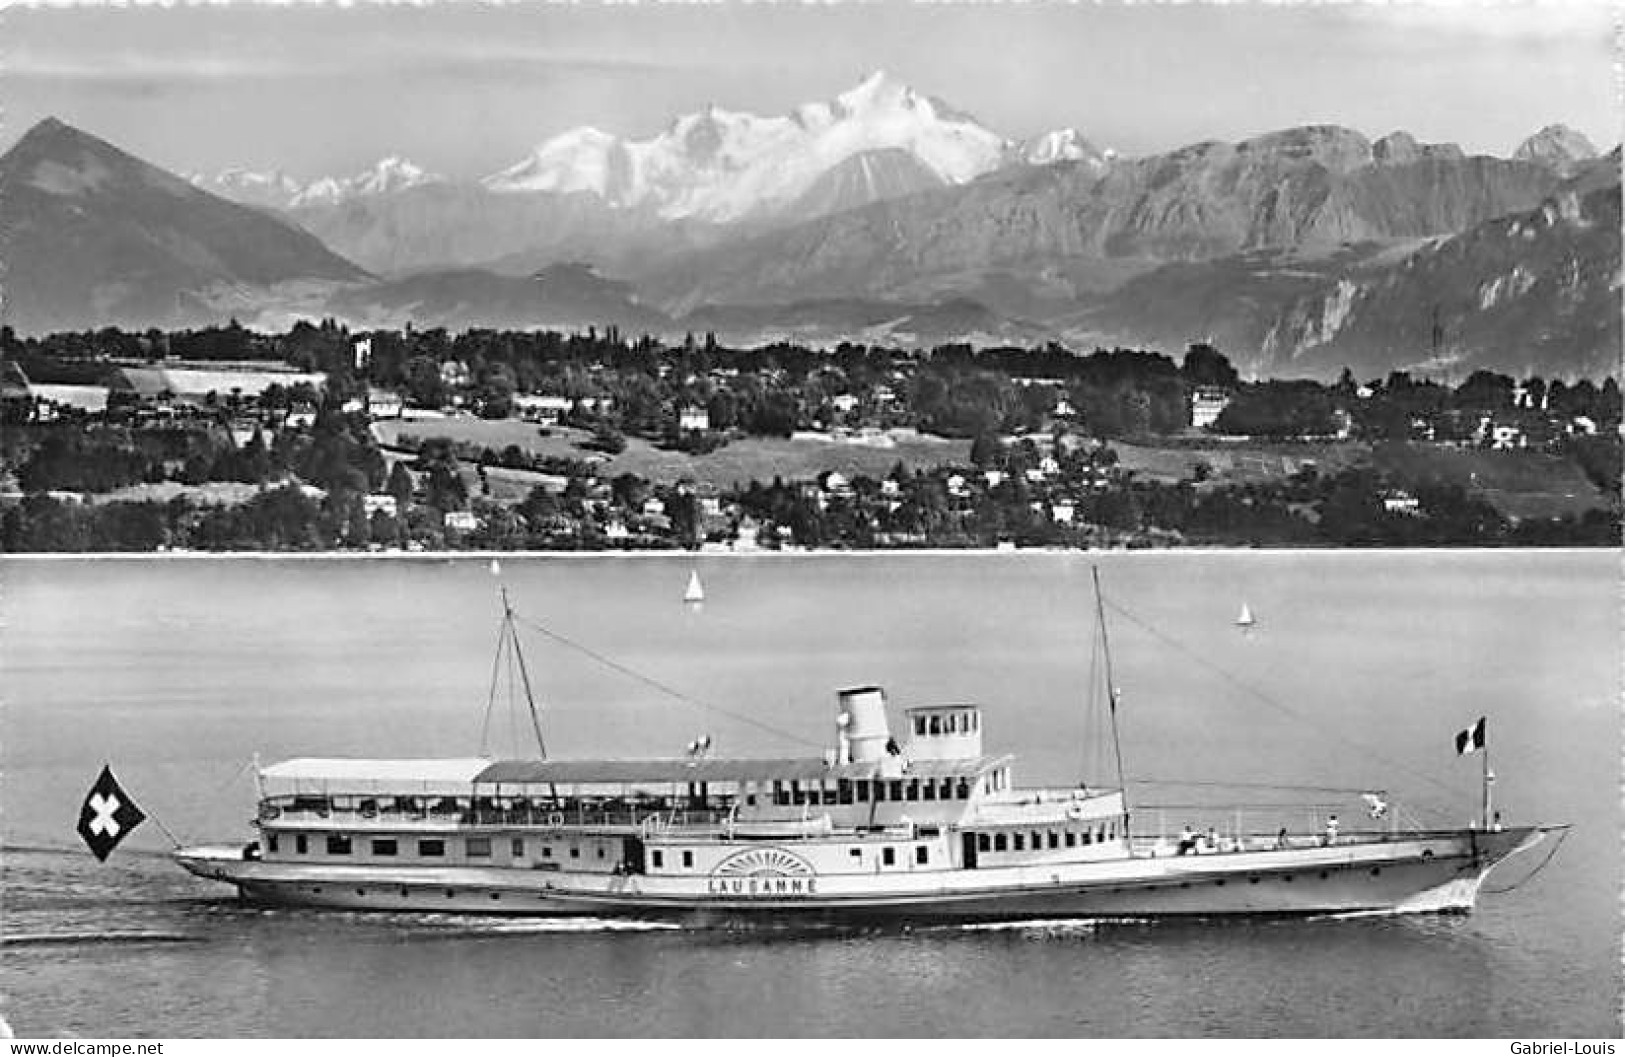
1331, 830
1187, 841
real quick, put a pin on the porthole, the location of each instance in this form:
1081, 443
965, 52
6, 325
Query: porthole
1184, 884
405, 892
1324, 875
1376, 871
360, 891
496, 895
1219, 883
450, 894
1252, 880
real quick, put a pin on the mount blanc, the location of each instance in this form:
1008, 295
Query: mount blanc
722, 166
278, 190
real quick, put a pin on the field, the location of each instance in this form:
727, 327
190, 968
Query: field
1236, 463
1519, 484
739, 462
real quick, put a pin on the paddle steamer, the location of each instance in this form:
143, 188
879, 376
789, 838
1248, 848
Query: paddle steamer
917, 824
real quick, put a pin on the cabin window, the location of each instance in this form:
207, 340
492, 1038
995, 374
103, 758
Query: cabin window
922, 854
600, 851
1018, 842
856, 853
1071, 838
1088, 837
431, 849
301, 844
983, 842
919, 725
575, 851
936, 725
688, 860
385, 846
888, 856
338, 845
863, 791
658, 859
478, 847
897, 789
1054, 839
829, 793
930, 790
547, 851
880, 791
795, 792
946, 790
270, 843
913, 789
1038, 840
999, 842
962, 791
844, 787
519, 847
781, 796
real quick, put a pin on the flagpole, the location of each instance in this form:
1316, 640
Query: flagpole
1486, 781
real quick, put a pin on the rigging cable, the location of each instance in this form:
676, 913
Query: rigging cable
1278, 706
661, 687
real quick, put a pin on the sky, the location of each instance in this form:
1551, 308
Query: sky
466, 89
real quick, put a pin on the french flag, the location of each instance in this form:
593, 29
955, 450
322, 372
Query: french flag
1471, 739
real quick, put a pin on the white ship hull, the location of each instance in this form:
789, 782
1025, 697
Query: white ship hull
1426, 873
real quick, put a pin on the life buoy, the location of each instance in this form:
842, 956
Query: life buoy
1075, 811
555, 819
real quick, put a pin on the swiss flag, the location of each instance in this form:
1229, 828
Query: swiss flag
108, 815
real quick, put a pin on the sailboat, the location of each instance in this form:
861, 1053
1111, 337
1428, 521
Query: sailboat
1245, 619
695, 593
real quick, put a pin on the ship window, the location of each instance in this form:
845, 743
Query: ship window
888, 856
301, 844
844, 787
688, 860
575, 851
963, 789
936, 725
1088, 837
478, 847
922, 854
384, 846
1038, 840
829, 793
999, 843
863, 791
781, 796
658, 858
856, 853
338, 845
600, 851
519, 847
431, 849
946, 791
1054, 839
750, 800
930, 789
1071, 838
897, 789
270, 843
913, 789
880, 791
983, 842
919, 724
1018, 842
547, 851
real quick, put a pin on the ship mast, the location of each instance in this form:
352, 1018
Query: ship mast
508, 640
1111, 691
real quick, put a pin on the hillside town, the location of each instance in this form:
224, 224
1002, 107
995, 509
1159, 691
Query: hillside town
321, 438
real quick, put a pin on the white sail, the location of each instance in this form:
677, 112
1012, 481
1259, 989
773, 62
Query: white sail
695, 592
1245, 620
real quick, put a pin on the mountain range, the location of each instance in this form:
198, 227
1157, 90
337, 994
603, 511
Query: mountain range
882, 214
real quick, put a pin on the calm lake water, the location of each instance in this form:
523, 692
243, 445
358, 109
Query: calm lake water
1360, 671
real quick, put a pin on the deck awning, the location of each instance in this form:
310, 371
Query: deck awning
683, 771
337, 776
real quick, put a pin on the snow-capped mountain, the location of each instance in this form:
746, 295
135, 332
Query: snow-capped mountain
1065, 144
721, 165
278, 190
246, 187
386, 177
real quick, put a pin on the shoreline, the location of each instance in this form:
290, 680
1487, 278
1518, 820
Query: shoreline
823, 553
